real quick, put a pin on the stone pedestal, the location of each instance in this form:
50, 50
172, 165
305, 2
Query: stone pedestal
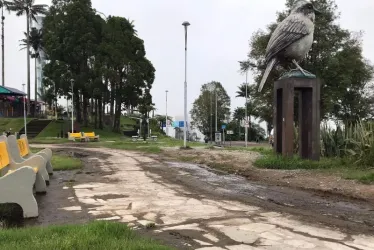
309, 117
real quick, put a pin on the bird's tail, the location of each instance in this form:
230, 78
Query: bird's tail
269, 67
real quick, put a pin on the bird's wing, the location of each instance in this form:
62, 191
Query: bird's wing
292, 29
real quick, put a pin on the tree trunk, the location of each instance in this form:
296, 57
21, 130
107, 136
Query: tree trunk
95, 122
28, 61
92, 107
112, 96
2, 46
36, 88
77, 112
85, 113
117, 117
100, 110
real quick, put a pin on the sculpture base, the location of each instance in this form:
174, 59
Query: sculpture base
296, 73
309, 117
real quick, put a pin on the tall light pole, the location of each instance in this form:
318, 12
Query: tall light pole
185, 24
24, 110
72, 106
246, 111
166, 119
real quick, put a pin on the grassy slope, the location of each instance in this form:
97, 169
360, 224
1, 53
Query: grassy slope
95, 235
55, 127
16, 124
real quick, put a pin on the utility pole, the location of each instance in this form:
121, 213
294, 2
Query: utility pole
166, 120
246, 109
211, 118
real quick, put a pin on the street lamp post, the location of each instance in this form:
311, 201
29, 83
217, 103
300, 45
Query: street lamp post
72, 106
166, 120
246, 111
185, 24
24, 110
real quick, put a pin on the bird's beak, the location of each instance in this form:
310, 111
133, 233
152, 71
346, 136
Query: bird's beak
317, 11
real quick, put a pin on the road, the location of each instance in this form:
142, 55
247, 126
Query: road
195, 208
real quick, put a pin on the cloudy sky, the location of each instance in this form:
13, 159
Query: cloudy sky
218, 39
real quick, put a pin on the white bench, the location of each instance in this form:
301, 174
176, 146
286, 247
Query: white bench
20, 154
154, 137
17, 181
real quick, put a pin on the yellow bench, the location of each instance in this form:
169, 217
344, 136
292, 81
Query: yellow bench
45, 153
91, 136
76, 136
17, 181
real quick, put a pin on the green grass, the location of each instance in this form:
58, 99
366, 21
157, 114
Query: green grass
272, 161
345, 167
16, 124
95, 235
64, 162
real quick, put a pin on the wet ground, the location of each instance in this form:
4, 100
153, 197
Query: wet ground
191, 207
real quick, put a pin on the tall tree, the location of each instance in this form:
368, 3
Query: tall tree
204, 108
105, 59
36, 43
31, 10
336, 57
3, 5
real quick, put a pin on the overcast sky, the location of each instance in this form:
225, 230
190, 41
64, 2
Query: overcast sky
217, 39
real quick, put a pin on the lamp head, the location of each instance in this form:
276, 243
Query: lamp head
186, 24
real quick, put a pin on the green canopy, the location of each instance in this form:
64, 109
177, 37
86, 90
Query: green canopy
11, 91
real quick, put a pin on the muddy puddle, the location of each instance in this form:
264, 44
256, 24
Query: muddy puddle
324, 207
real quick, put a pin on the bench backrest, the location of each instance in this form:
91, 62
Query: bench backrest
89, 134
76, 135
22, 146
4, 155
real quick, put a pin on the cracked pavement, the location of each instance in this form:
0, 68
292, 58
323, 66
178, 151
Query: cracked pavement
123, 188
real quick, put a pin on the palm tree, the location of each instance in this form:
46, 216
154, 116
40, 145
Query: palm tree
22, 7
3, 4
36, 42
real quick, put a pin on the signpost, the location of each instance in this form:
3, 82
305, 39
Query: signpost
218, 137
223, 132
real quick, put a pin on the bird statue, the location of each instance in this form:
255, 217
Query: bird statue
292, 39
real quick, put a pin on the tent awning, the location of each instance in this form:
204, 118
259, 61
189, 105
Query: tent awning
11, 91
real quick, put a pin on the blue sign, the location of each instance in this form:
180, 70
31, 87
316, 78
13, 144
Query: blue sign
178, 124
224, 126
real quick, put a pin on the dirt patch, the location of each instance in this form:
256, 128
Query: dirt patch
241, 163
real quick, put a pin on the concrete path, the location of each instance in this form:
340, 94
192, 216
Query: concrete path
126, 192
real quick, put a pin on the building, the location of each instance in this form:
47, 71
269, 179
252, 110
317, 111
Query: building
41, 60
